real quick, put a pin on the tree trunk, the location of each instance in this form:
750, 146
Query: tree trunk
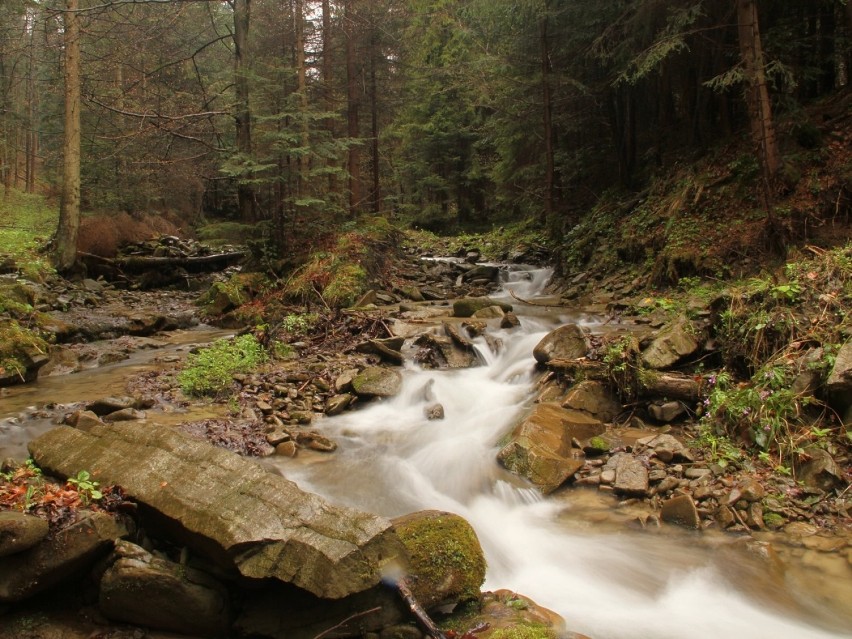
375, 196
242, 116
547, 109
757, 93
353, 105
65, 254
301, 75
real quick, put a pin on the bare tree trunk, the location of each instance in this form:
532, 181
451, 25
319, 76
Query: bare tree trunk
32, 112
242, 117
547, 110
375, 196
757, 93
301, 73
65, 254
353, 105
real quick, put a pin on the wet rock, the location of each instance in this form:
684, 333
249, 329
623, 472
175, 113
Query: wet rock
338, 404
140, 588
631, 476
482, 272
375, 381
107, 405
434, 412
674, 343
124, 415
459, 339
84, 420
387, 349
594, 398
64, 555
489, 312
315, 441
666, 412
510, 320
19, 532
287, 449
438, 351
446, 562
231, 509
680, 511
541, 445
467, 306
566, 342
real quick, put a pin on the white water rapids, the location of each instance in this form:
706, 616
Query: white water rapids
608, 582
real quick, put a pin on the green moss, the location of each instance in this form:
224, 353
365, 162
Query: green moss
773, 520
18, 344
525, 631
443, 547
599, 443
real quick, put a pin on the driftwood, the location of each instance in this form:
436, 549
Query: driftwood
142, 263
670, 385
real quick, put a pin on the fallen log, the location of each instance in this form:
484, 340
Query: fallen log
142, 263
669, 385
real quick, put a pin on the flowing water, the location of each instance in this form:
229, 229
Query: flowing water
606, 580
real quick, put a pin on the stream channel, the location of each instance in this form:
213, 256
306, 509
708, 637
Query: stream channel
573, 551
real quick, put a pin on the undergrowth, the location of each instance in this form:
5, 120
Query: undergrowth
210, 371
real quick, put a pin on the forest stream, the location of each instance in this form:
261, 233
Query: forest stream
574, 551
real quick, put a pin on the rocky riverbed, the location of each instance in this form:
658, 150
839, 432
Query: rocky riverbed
643, 458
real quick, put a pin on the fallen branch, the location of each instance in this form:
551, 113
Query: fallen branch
138, 263
417, 610
347, 620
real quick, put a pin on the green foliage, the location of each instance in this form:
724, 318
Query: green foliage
86, 486
26, 223
337, 277
211, 370
218, 233
621, 357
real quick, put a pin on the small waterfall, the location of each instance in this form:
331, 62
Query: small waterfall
609, 585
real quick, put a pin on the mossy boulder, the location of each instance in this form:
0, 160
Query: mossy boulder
446, 562
22, 353
375, 381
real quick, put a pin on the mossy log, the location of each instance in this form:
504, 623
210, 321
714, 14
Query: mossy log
670, 385
579, 369
142, 263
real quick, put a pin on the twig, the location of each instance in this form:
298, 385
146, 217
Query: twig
417, 610
347, 620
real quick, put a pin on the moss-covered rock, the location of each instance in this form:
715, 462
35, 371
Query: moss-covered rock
375, 381
22, 352
446, 562
467, 306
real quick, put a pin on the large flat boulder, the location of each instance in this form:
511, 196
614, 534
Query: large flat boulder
229, 508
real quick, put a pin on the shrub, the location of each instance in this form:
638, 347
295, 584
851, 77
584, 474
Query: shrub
211, 370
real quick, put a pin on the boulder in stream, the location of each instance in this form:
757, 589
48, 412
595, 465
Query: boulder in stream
467, 306
228, 508
540, 448
376, 381
566, 342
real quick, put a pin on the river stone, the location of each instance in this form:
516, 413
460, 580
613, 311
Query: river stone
227, 507
820, 470
675, 342
667, 448
139, 588
438, 351
680, 510
566, 342
489, 312
337, 404
510, 320
65, 554
594, 398
107, 405
631, 476
482, 272
540, 446
387, 349
19, 532
375, 381
446, 562
84, 420
666, 412
839, 383
467, 306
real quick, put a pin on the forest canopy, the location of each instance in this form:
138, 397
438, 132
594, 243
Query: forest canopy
300, 115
